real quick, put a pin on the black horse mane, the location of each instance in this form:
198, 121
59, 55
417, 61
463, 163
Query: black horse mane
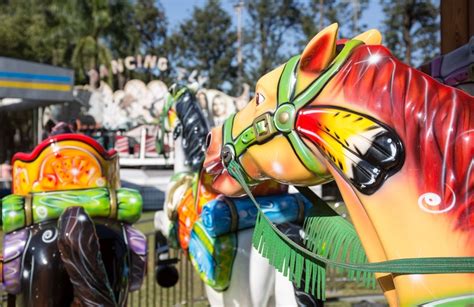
193, 127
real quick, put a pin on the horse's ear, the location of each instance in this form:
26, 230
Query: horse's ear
370, 37
320, 50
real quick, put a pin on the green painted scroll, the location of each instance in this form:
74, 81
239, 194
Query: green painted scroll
123, 204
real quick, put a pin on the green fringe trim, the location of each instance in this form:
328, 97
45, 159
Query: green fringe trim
330, 237
334, 238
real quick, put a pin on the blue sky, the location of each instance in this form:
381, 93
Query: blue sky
177, 10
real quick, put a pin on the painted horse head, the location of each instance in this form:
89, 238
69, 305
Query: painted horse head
397, 143
183, 115
68, 223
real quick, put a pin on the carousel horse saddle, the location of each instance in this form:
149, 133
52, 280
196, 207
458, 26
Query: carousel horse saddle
213, 257
213, 241
20, 211
62, 173
224, 215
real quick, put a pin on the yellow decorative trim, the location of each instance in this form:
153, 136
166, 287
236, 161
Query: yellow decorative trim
113, 203
36, 86
28, 212
64, 165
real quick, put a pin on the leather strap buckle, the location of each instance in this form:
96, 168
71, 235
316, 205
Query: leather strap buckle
263, 127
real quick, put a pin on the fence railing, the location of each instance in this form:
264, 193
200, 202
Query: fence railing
189, 291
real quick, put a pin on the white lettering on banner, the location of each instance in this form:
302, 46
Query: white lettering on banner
162, 64
150, 61
130, 63
117, 66
138, 62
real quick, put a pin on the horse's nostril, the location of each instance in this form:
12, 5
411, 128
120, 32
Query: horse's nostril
208, 140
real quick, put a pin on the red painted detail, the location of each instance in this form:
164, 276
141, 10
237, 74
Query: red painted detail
315, 59
121, 144
28, 157
435, 123
150, 146
308, 122
341, 41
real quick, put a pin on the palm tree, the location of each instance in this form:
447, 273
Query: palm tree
90, 51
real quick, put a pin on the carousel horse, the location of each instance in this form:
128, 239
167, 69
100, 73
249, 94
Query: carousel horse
455, 68
215, 105
214, 231
398, 145
68, 239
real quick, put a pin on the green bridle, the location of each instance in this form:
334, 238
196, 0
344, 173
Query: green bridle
282, 120
170, 101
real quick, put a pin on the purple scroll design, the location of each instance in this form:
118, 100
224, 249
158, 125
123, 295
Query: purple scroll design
138, 250
14, 245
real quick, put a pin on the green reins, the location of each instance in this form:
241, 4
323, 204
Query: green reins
432, 265
282, 122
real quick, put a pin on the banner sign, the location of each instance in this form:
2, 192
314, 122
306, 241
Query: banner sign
34, 81
137, 62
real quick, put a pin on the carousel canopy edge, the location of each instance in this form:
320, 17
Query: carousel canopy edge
24, 80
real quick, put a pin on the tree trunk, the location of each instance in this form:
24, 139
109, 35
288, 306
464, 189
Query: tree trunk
407, 40
263, 48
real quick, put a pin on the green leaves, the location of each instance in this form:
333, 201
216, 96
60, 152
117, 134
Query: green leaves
270, 34
80, 34
206, 42
411, 29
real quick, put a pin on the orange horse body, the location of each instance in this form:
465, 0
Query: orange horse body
421, 208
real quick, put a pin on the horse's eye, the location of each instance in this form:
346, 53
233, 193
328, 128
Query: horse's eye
259, 98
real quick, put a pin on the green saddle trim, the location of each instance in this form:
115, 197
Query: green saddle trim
19, 211
221, 250
292, 259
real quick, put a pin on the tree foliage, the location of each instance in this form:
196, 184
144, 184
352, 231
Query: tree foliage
34, 30
89, 51
318, 14
270, 28
84, 34
151, 25
206, 42
81, 34
411, 29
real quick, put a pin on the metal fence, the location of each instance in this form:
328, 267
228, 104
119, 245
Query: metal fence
189, 291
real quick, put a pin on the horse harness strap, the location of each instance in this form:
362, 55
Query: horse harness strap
28, 209
267, 125
282, 120
113, 204
431, 265
234, 214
